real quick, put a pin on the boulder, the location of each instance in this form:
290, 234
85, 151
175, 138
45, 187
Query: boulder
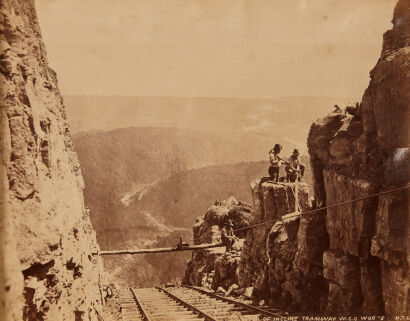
248, 292
233, 290
214, 268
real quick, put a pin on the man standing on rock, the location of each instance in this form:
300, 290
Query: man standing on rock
228, 238
294, 168
275, 162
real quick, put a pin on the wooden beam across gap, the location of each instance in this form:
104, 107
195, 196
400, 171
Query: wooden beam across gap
160, 250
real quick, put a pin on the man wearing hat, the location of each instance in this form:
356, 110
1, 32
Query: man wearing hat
294, 168
275, 162
228, 238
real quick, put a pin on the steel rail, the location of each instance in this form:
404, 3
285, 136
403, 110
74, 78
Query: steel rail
238, 303
144, 313
187, 305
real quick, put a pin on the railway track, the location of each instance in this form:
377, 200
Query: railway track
188, 304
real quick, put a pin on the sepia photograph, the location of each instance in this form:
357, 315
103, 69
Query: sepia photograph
216, 160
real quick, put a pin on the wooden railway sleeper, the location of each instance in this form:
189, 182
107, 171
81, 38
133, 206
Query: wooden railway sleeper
241, 304
187, 305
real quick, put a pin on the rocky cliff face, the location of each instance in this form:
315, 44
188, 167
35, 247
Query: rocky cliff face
215, 268
351, 259
281, 259
47, 270
361, 151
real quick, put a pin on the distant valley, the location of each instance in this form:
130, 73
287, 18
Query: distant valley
116, 164
146, 185
153, 214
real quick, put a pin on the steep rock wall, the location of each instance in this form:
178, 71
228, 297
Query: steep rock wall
358, 152
48, 272
281, 259
215, 268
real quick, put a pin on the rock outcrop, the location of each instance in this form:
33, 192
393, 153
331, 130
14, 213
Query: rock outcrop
47, 270
358, 152
279, 261
281, 258
217, 268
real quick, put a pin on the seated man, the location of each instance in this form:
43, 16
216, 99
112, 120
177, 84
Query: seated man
294, 168
228, 238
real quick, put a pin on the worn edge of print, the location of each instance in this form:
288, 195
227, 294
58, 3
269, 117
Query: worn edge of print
358, 254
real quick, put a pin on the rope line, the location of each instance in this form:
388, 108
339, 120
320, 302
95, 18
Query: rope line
316, 210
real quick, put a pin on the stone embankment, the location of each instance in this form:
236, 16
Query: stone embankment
46, 238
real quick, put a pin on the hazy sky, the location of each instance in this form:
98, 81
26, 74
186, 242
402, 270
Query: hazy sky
218, 48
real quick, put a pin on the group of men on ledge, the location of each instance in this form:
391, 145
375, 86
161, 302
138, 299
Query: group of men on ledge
293, 166
295, 171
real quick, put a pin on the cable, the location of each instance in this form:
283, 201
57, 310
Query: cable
322, 209
316, 210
